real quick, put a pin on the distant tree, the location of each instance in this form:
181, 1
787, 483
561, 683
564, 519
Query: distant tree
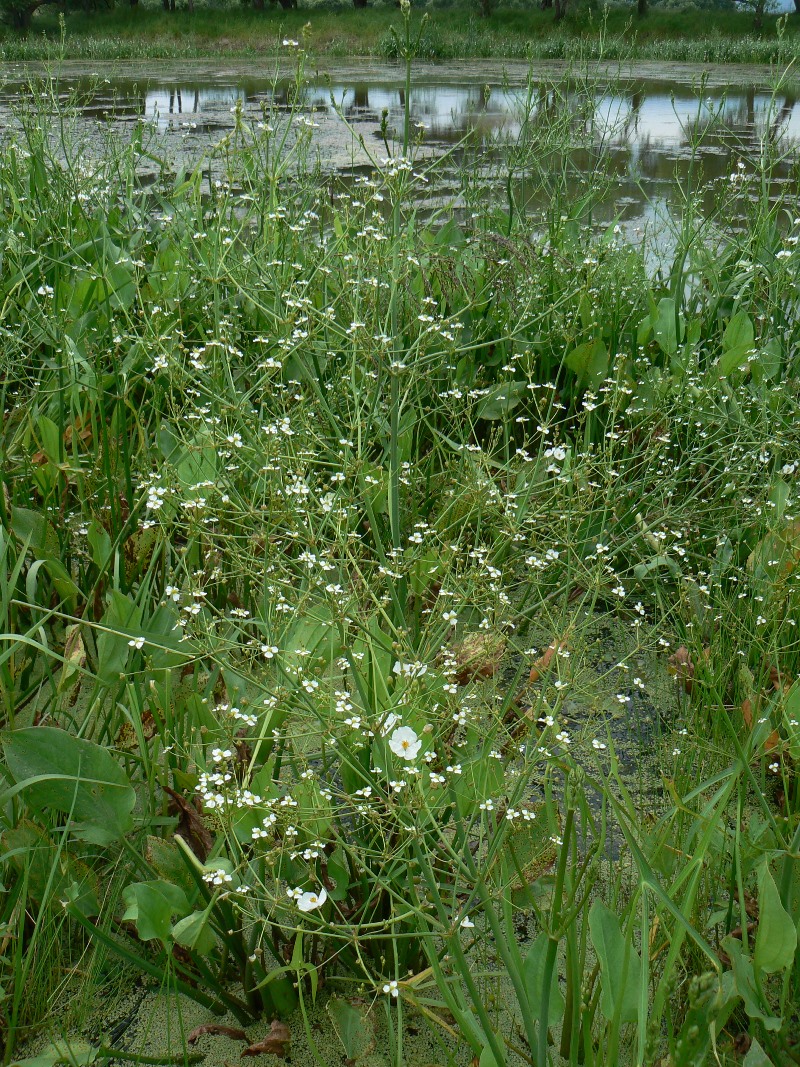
558, 7
758, 7
19, 13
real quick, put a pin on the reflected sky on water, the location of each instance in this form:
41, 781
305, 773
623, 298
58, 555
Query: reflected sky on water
647, 119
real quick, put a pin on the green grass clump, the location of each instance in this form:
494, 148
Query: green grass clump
453, 32
347, 545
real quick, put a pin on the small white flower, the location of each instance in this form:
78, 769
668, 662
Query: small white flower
466, 923
405, 743
391, 989
136, 642
308, 901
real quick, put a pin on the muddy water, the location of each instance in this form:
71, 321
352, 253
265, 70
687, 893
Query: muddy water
646, 120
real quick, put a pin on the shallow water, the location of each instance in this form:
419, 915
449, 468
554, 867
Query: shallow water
647, 120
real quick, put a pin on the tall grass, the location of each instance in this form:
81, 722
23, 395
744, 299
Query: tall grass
344, 537
453, 32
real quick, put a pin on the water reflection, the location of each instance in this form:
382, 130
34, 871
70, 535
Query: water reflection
645, 117
162, 105
650, 125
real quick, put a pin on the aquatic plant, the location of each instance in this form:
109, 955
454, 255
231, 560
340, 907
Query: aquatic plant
347, 544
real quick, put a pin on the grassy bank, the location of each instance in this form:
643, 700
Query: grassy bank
451, 33
398, 608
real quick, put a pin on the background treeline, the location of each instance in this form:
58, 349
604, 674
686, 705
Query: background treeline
24, 15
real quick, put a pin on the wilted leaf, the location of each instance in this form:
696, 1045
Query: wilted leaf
191, 826
542, 664
681, 666
478, 656
216, 1029
74, 657
127, 737
276, 1043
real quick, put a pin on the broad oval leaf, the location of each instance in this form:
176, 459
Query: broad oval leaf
620, 988
533, 970
776, 939
151, 906
74, 776
502, 400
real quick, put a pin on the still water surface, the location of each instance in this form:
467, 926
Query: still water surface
646, 120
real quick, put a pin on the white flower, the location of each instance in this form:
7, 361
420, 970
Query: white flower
391, 989
309, 901
389, 723
136, 642
466, 923
405, 743
410, 670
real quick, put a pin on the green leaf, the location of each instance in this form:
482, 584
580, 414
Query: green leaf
756, 1056
589, 361
620, 988
100, 544
488, 1058
533, 971
767, 361
32, 528
501, 400
72, 1053
354, 1027
742, 981
54, 874
122, 619
340, 873
667, 329
50, 438
791, 720
739, 333
73, 776
776, 938
151, 906
737, 345
194, 932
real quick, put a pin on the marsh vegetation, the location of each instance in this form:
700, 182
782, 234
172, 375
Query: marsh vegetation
399, 603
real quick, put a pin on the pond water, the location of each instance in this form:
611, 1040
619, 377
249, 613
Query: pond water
646, 119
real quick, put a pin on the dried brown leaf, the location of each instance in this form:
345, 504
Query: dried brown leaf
747, 712
680, 665
190, 825
127, 738
479, 656
276, 1043
542, 664
217, 1028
